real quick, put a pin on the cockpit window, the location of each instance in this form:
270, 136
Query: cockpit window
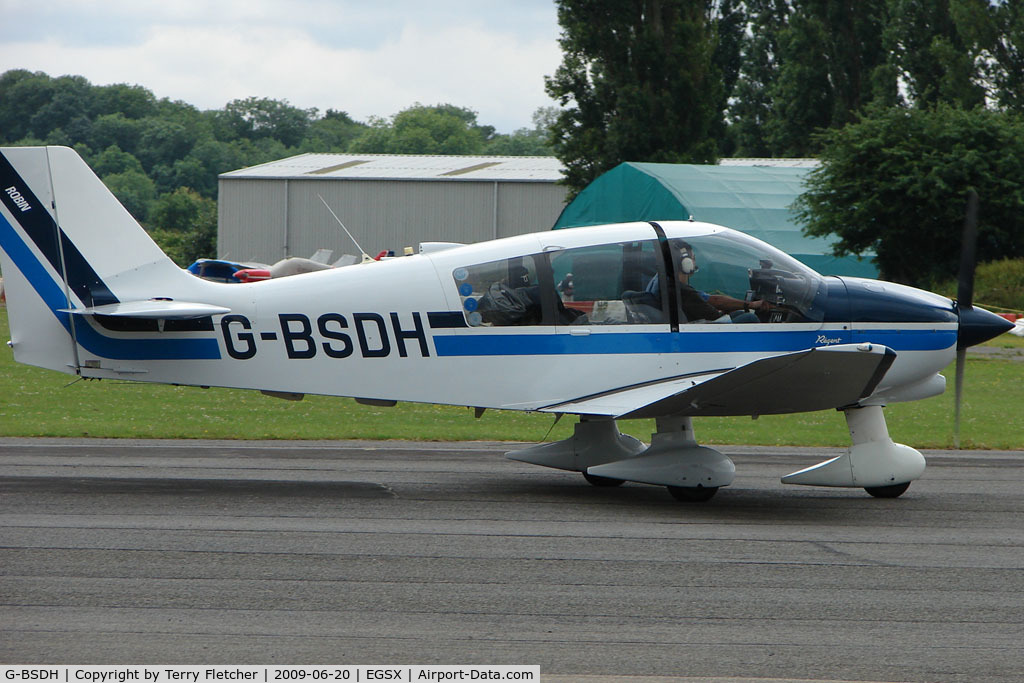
505, 292
608, 284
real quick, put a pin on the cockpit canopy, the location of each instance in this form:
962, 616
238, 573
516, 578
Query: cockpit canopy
716, 275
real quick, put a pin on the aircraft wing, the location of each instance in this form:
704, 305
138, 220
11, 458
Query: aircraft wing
152, 308
813, 379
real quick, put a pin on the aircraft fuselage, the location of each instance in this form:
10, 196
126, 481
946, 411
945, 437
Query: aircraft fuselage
401, 330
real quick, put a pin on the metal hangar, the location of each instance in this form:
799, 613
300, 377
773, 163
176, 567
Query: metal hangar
387, 202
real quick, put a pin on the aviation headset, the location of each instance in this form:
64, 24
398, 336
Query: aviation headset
687, 263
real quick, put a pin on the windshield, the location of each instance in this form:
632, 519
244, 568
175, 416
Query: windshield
737, 265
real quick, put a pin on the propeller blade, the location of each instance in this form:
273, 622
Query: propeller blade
965, 301
961, 358
968, 247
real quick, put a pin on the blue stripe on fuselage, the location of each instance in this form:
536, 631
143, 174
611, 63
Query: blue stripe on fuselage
91, 340
684, 341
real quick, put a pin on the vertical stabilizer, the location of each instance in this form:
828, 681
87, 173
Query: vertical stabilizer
66, 243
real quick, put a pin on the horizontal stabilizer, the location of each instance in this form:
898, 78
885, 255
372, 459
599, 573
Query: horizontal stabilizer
813, 379
152, 308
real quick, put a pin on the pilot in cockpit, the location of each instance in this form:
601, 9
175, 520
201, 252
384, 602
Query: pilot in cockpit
698, 305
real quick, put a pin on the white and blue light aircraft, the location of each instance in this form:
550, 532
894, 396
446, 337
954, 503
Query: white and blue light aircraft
608, 323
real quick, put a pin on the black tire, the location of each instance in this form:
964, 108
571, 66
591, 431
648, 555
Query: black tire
692, 494
893, 491
595, 480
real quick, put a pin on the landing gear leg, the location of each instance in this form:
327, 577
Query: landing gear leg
874, 462
692, 473
606, 457
594, 441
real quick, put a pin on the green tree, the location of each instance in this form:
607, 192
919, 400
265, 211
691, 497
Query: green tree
262, 117
730, 28
189, 173
183, 210
526, 141
134, 190
802, 99
163, 140
114, 160
184, 224
751, 106
930, 45
130, 101
420, 129
212, 158
996, 32
1008, 49
896, 180
808, 65
115, 129
67, 107
22, 93
637, 82
334, 132
523, 142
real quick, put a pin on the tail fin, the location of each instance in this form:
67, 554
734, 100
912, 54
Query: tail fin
67, 244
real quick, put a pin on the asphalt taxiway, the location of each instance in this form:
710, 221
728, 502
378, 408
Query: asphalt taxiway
160, 552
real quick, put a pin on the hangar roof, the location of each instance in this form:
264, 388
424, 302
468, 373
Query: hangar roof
407, 167
770, 163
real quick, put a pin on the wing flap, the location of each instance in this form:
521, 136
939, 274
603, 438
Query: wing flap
620, 402
803, 381
152, 308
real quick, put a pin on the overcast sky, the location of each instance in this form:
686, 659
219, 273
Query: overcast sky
368, 57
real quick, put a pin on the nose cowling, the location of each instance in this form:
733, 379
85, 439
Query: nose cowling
978, 325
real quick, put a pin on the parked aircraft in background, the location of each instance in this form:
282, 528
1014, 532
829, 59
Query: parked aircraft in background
223, 270
668, 320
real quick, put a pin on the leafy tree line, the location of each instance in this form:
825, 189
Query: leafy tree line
692, 80
161, 158
909, 103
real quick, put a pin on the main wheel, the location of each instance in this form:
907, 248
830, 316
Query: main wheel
595, 480
692, 494
893, 491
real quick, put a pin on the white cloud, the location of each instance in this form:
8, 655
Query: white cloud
364, 59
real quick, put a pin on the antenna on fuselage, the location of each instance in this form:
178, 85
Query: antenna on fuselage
366, 257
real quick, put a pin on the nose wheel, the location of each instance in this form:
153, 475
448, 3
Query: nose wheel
892, 491
692, 494
595, 480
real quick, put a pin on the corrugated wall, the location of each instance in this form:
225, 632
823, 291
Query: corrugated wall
386, 214
381, 214
251, 219
528, 207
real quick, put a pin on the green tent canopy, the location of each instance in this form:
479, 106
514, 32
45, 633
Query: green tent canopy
753, 199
